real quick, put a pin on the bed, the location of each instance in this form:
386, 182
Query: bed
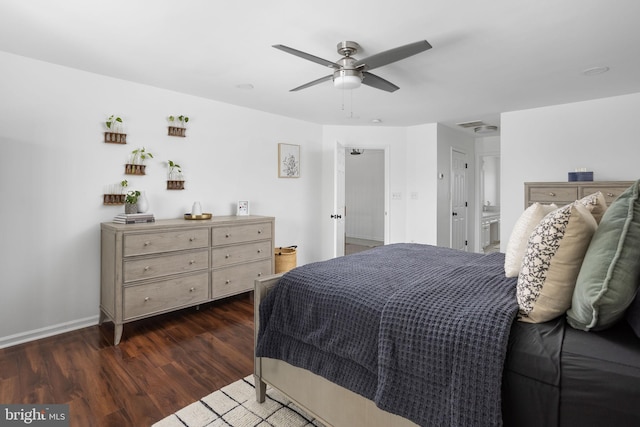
409, 334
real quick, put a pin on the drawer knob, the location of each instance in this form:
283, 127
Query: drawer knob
552, 194
227, 282
192, 262
192, 239
610, 194
147, 298
259, 274
146, 268
259, 231
227, 256
259, 251
192, 289
227, 235
147, 243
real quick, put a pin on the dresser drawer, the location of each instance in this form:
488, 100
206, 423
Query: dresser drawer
233, 280
551, 194
610, 193
151, 243
165, 295
174, 263
227, 255
240, 233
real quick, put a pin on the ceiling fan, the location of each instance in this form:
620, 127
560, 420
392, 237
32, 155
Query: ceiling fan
349, 72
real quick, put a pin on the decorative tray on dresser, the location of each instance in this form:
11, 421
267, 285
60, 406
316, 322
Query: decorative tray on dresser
153, 268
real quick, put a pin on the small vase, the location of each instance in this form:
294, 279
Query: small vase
130, 208
143, 203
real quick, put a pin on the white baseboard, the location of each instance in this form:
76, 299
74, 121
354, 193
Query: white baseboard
48, 331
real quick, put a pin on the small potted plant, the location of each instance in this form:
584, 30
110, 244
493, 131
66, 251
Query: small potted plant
136, 164
114, 132
131, 202
180, 129
175, 180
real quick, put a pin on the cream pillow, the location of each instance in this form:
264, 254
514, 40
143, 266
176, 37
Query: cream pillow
552, 261
517, 244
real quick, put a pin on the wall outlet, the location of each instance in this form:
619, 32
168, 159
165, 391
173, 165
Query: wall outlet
396, 196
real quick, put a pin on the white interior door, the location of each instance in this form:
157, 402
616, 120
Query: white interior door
458, 200
338, 214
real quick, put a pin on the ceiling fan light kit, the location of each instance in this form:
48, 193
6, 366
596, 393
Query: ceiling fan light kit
347, 79
350, 73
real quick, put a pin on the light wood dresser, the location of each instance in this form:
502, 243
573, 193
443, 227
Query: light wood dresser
563, 193
153, 268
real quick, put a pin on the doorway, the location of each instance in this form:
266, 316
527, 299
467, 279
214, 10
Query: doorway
365, 212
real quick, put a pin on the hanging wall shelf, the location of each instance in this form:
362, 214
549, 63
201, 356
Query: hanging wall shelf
176, 131
114, 199
131, 169
175, 185
115, 138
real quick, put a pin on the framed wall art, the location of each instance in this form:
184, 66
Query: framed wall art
243, 207
288, 161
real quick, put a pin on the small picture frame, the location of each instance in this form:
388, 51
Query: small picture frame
243, 208
288, 161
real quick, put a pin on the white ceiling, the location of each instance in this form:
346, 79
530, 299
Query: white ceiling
488, 56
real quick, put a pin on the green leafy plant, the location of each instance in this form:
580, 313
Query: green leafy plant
114, 123
124, 183
140, 155
132, 197
172, 168
171, 120
183, 120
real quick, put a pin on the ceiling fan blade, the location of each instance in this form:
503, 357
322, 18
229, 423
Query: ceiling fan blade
306, 56
378, 82
313, 83
392, 55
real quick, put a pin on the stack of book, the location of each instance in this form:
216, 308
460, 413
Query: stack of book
138, 218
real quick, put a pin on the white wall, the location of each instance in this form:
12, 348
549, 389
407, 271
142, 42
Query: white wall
544, 144
56, 166
422, 184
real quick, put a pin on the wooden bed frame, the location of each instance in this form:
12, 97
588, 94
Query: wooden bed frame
330, 403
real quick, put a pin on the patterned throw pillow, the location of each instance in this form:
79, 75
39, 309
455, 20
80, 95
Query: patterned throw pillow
596, 203
517, 244
552, 261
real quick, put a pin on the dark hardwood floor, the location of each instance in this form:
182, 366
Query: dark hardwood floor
161, 365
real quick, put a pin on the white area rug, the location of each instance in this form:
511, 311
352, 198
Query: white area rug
235, 405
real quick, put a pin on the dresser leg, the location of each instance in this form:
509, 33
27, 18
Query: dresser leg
117, 334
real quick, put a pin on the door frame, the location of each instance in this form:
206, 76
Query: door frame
387, 149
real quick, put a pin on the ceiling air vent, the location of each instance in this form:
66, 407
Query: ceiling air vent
471, 124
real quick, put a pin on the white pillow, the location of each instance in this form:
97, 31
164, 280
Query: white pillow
517, 245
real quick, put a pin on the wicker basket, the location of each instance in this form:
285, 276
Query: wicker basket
285, 258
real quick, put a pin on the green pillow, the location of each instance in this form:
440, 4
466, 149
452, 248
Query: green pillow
610, 272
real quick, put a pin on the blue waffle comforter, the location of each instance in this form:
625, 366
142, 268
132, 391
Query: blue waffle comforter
420, 330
